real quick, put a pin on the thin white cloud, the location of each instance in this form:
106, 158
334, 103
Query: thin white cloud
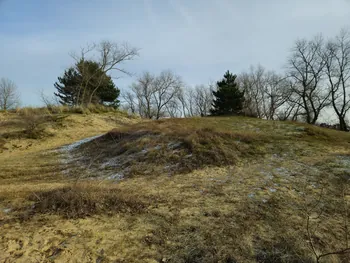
199, 39
149, 11
320, 9
183, 11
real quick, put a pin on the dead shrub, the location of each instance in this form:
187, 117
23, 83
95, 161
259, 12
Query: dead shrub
83, 200
58, 109
28, 111
33, 125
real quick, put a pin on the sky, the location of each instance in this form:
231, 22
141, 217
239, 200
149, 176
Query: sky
197, 39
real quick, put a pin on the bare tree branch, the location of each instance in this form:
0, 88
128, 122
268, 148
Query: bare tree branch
306, 67
109, 56
9, 96
336, 55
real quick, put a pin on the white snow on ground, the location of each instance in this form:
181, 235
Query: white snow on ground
69, 159
74, 145
112, 168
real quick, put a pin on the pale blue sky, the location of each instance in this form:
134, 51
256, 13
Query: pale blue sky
198, 39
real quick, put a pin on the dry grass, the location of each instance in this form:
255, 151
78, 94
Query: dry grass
35, 129
182, 145
173, 146
84, 199
243, 198
63, 109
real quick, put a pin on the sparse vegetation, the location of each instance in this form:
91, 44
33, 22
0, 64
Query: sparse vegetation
27, 127
159, 167
229, 189
173, 146
81, 200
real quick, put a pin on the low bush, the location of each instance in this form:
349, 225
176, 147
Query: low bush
59, 109
33, 125
81, 200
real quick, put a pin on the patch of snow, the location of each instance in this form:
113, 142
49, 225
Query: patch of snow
66, 171
268, 175
158, 147
117, 176
345, 162
272, 190
67, 157
7, 210
282, 171
218, 181
275, 156
251, 195
174, 145
75, 145
110, 163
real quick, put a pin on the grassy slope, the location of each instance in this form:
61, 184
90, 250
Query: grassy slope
230, 189
30, 160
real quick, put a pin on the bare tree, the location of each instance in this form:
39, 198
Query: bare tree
109, 56
9, 97
266, 92
156, 96
186, 97
173, 109
306, 68
337, 67
276, 95
143, 91
47, 100
252, 83
196, 101
203, 97
166, 87
129, 101
291, 109
182, 98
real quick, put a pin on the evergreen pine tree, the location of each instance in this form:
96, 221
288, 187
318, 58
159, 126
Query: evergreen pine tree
228, 99
109, 95
68, 87
86, 83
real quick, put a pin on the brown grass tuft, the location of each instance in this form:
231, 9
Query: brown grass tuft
169, 146
83, 200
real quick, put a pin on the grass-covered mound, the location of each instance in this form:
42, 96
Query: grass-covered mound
182, 145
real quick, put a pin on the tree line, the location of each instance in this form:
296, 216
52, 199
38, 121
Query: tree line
316, 76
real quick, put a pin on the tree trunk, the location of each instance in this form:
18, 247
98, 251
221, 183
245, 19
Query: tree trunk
342, 124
